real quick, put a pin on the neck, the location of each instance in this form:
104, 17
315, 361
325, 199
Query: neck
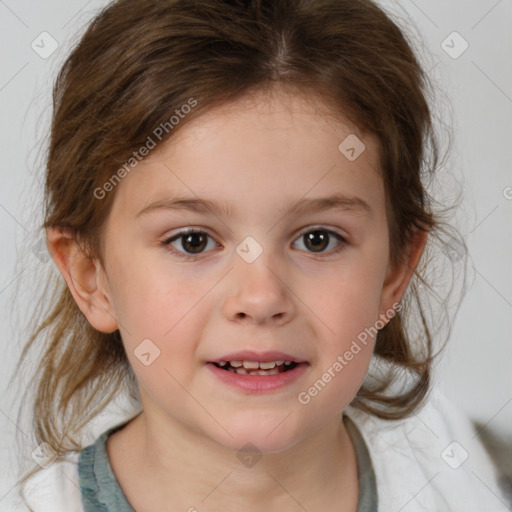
183, 467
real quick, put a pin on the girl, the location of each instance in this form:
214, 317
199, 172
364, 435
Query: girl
235, 199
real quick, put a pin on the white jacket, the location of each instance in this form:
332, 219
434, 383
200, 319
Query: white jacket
432, 461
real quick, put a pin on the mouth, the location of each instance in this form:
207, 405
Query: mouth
252, 371
257, 368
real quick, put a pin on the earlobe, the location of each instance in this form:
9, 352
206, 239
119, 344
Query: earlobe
397, 279
84, 277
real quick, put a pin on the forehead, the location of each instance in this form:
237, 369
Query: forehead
259, 152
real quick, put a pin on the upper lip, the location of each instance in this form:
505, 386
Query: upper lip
262, 357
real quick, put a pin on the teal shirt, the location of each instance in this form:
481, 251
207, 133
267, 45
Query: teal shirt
101, 491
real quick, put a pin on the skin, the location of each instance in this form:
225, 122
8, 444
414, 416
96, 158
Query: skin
261, 154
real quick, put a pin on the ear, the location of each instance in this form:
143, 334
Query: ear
85, 278
397, 278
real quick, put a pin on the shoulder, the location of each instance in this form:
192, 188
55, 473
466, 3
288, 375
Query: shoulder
434, 458
56, 487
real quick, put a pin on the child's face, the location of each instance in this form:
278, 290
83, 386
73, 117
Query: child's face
258, 161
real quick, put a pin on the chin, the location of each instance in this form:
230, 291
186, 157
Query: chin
267, 437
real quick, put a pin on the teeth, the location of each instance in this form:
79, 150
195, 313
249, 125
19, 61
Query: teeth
254, 367
251, 365
242, 371
269, 372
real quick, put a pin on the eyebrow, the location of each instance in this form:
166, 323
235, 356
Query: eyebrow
339, 202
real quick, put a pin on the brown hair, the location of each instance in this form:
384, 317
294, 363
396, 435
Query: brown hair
139, 61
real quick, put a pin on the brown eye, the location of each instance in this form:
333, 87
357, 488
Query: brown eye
317, 240
190, 242
194, 242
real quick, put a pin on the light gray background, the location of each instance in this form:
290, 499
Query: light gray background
475, 369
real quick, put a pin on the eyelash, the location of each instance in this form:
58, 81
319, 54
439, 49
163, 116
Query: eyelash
189, 257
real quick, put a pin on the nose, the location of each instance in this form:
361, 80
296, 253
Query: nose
260, 295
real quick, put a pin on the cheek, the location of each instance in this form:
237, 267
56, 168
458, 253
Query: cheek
161, 318
348, 314
151, 297
346, 300
164, 327
347, 303
337, 379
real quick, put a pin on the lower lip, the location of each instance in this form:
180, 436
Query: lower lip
259, 383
